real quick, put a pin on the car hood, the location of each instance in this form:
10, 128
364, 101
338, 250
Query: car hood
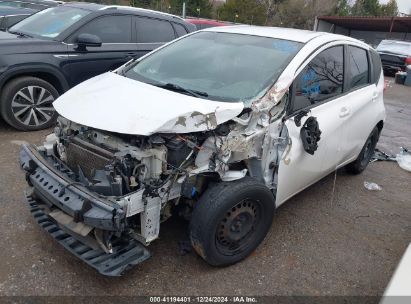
14, 44
118, 104
5, 36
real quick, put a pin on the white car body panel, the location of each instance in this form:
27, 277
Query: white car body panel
118, 104
342, 136
399, 288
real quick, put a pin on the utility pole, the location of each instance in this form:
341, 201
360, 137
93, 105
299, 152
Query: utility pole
184, 10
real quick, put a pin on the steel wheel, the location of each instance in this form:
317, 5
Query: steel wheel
235, 232
230, 220
32, 106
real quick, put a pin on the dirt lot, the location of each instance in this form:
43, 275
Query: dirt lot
320, 243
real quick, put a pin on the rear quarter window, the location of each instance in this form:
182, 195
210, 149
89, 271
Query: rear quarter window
358, 67
151, 30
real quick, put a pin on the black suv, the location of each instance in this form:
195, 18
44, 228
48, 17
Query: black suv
51, 51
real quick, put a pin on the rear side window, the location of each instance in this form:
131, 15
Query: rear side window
320, 80
358, 67
153, 30
110, 29
180, 30
376, 66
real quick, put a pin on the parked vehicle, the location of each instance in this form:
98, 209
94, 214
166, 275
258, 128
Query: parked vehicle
46, 54
12, 12
399, 286
9, 16
205, 23
223, 143
395, 55
37, 5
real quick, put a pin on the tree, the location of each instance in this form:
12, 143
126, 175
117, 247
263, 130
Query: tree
367, 8
390, 9
243, 11
194, 8
302, 13
343, 8
141, 3
271, 8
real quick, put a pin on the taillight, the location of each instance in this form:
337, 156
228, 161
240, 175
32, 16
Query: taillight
408, 61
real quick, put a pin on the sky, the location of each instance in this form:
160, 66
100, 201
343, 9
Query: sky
404, 6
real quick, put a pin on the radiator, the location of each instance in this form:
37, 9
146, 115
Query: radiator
81, 155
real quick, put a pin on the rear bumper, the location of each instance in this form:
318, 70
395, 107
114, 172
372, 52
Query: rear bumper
390, 66
125, 254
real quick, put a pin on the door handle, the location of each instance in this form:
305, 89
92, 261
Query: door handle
344, 112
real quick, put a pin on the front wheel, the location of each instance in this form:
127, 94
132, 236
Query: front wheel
230, 220
359, 165
26, 103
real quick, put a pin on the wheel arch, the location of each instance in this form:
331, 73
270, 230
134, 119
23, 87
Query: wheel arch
380, 125
46, 73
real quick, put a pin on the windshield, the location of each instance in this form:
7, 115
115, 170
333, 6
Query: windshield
399, 47
49, 23
221, 66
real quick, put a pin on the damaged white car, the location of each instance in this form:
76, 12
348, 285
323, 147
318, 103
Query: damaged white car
221, 126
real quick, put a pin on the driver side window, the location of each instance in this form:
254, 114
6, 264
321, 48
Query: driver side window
320, 80
110, 29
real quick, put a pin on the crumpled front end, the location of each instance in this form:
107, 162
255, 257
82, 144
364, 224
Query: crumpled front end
89, 226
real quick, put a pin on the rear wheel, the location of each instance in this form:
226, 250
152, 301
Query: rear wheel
230, 220
26, 103
366, 154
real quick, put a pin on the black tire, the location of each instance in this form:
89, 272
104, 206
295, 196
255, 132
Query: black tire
363, 159
26, 103
230, 220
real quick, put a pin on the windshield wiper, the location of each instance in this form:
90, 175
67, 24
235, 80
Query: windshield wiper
20, 34
177, 88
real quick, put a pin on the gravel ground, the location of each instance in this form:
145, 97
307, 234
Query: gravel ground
324, 241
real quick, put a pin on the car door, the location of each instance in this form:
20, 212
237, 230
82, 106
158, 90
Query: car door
362, 94
152, 33
317, 94
115, 32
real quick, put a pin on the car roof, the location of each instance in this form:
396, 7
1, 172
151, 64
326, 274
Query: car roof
396, 41
120, 8
85, 5
297, 35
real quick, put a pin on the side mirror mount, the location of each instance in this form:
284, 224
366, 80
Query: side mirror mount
88, 40
299, 116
